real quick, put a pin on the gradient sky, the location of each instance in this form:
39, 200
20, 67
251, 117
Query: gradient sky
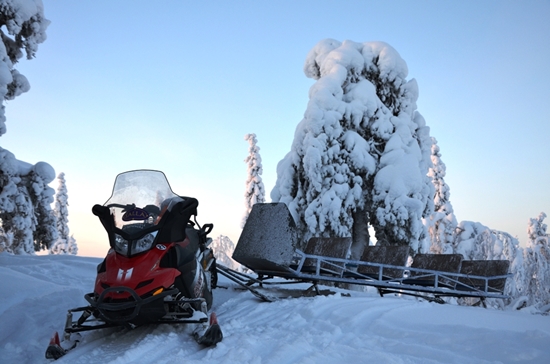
175, 86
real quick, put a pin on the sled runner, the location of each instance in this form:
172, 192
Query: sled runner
159, 268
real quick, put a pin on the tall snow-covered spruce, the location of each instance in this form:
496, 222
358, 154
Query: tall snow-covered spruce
537, 263
65, 243
254, 190
442, 223
361, 154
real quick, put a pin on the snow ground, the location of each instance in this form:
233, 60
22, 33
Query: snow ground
36, 292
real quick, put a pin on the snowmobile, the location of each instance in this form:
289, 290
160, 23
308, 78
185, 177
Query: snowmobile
159, 268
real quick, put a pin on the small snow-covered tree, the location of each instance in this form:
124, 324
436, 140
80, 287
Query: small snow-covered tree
223, 251
22, 28
254, 190
442, 223
61, 207
27, 221
64, 244
42, 197
476, 241
361, 154
537, 263
515, 286
72, 247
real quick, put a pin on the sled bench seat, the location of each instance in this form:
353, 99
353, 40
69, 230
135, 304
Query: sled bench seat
496, 272
375, 260
320, 248
424, 267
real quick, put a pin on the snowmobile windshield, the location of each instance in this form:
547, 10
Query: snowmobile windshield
139, 200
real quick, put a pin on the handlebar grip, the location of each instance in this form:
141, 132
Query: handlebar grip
207, 228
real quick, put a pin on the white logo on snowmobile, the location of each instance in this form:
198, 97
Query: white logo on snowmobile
161, 247
124, 275
197, 290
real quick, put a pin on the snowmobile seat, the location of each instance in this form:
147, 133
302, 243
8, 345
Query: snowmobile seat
268, 241
396, 255
484, 268
426, 267
324, 249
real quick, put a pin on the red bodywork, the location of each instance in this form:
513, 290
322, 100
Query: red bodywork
141, 272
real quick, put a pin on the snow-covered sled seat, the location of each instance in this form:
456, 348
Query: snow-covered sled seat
485, 275
268, 241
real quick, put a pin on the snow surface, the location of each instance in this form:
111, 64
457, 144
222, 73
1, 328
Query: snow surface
36, 292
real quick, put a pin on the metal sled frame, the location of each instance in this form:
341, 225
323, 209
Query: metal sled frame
336, 270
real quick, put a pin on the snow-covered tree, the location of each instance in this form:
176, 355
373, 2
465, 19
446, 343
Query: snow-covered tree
42, 197
65, 244
515, 286
223, 251
361, 154
22, 28
16, 210
25, 213
442, 223
476, 241
537, 263
254, 190
61, 207
72, 246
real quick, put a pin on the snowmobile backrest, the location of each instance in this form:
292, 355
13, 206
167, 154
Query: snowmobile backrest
269, 238
174, 221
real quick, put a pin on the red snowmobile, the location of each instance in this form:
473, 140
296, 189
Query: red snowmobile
159, 268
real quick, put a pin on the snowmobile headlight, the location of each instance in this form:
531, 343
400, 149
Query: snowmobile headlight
121, 245
143, 244
136, 246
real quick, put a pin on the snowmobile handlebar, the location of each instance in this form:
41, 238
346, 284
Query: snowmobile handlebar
207, 228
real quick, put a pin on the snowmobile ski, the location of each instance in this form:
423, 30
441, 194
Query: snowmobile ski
212, 335
56, 350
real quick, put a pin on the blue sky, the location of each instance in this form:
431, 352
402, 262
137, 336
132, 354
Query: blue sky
175, 86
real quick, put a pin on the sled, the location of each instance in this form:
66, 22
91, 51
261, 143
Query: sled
269, 247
